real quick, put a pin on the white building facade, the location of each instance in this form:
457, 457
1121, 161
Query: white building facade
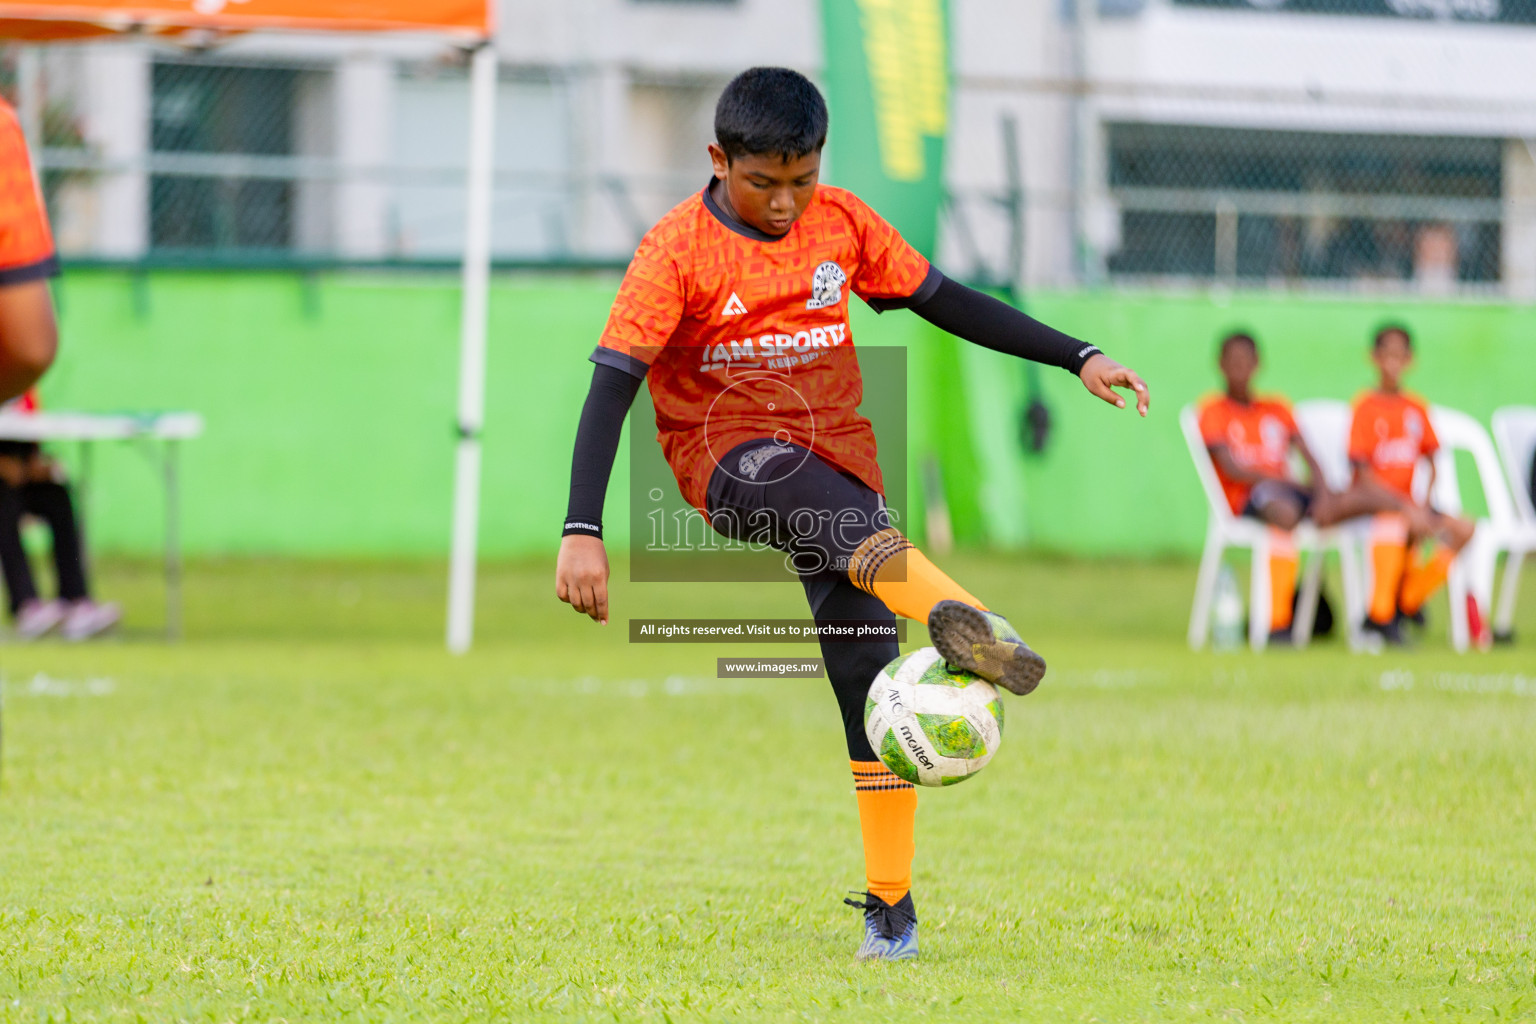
1333, 144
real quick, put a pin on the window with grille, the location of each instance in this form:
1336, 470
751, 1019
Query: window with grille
1202, 202
212, 116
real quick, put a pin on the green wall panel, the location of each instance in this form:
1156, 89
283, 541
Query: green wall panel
329, 405
329, 400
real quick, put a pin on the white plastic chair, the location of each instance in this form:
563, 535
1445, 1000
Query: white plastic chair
1324, 425
1472, 571
1514, 432
1226, 530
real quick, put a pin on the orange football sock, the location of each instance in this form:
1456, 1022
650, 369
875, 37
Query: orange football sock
887, 817
1282, 578
1423, 578
1389, 539
889, 567
1413, 564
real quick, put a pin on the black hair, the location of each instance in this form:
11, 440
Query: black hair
1386, 331
1239, 338
770, 111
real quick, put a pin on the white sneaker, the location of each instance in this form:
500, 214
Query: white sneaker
87, 618
37, 618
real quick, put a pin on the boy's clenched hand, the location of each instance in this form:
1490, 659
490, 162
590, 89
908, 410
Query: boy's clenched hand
581, 575
1102, 375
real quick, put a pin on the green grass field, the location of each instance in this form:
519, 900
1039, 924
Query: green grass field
308, 812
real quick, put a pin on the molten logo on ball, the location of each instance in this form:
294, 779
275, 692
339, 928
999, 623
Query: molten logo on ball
931, 726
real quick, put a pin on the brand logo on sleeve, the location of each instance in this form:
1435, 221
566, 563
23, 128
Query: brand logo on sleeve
734, 307
826, 286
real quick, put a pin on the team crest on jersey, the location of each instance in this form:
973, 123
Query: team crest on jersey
752, 462
826, 286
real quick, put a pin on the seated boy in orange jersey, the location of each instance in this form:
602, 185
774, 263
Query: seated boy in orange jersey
1391, 432
1250, 440
735, 311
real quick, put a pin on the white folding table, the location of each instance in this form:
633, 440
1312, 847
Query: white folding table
169, 429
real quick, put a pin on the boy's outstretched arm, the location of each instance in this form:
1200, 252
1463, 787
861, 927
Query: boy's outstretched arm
581, 571
990, 323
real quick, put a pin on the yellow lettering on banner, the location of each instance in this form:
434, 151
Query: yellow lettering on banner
908, 77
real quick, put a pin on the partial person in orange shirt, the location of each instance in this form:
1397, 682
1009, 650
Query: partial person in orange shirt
30, 482
1250, 439
1390, 434
28, 334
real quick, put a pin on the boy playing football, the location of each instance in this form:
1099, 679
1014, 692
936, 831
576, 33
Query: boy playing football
734, 309
1391, 432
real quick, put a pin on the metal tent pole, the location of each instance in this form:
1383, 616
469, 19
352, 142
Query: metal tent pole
472, 327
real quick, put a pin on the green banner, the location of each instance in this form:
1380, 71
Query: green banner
887, 83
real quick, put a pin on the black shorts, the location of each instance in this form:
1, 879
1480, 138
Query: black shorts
792, 499
1267, 491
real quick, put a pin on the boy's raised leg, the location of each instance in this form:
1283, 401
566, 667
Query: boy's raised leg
887, 565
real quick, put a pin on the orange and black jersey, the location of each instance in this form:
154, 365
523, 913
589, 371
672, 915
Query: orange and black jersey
26, 243
1257, 435
1390, 433
742, 335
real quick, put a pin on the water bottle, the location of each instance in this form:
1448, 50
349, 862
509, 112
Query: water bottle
1226, 612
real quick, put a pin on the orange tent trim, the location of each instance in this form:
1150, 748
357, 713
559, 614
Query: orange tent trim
79, 19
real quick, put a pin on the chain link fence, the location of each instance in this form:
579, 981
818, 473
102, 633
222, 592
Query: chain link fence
1248, 205
1202, 192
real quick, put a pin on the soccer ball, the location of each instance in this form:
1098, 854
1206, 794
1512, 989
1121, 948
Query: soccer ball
931, 726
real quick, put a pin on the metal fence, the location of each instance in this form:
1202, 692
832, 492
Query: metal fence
1235, 203
207, 158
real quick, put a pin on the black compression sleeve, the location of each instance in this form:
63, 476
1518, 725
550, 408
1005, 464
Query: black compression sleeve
990, 323
597, 442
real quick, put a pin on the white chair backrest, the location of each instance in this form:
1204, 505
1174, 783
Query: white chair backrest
1459, 432
1514, 430
1205, 469
1324, 424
